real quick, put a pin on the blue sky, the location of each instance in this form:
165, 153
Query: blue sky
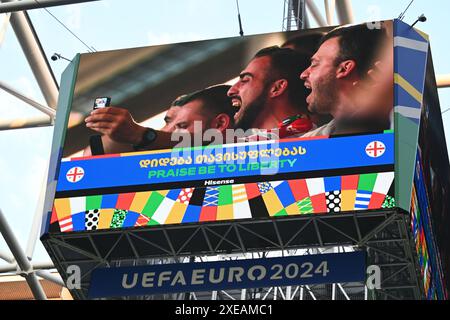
115, 24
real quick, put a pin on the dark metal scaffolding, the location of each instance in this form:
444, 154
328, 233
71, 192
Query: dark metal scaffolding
384, 235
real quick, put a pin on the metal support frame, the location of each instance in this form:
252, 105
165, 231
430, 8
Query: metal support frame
34, 122
38, 121
13, 268
316, 13
4, 26
330, 7
443, 81
40, 269
45, 274
344, 11
22, 260
383, 234
31, 46
7, 257
13, 6
47, 110
43, 74
388, 243
294, 15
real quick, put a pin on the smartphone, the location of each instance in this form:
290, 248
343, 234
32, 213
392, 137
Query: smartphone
102, 102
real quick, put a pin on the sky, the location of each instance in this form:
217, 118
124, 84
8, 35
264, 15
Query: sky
117, 24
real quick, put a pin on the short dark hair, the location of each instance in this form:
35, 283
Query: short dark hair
215, 100
305, 42
358, 43
287, 64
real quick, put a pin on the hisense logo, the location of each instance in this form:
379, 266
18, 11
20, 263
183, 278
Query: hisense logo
218, 182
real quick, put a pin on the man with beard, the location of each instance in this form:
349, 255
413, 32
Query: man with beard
348, 81
269, 93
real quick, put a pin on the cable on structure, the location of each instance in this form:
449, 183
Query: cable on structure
90, 48
402, 15
241, 31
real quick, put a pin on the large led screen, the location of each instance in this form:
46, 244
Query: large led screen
430, 202
252, 127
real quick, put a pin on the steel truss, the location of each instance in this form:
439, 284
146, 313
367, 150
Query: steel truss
13, 6
34, 53
384, 235
295, 15
20, 262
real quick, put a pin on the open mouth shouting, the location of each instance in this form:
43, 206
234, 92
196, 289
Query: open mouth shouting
309, 90
236, 101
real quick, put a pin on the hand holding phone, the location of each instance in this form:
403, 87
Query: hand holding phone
95, 141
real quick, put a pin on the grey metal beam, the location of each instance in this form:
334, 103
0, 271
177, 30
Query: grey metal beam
25, 123
443, 81
316, 13
319, 236
224, 237
344, 11
47, 275
47, 110
300, 13
22, 261
32, 48
377, 240
330, 6
4, 26
36, 266
241, 243
307, 22
7, 257
343, 291
152, 244
210, 247
13, 6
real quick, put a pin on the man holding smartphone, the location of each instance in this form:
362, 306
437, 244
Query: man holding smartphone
121, 133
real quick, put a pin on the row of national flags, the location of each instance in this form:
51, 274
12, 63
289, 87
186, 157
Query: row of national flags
330, 194
420, 241
223, 202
